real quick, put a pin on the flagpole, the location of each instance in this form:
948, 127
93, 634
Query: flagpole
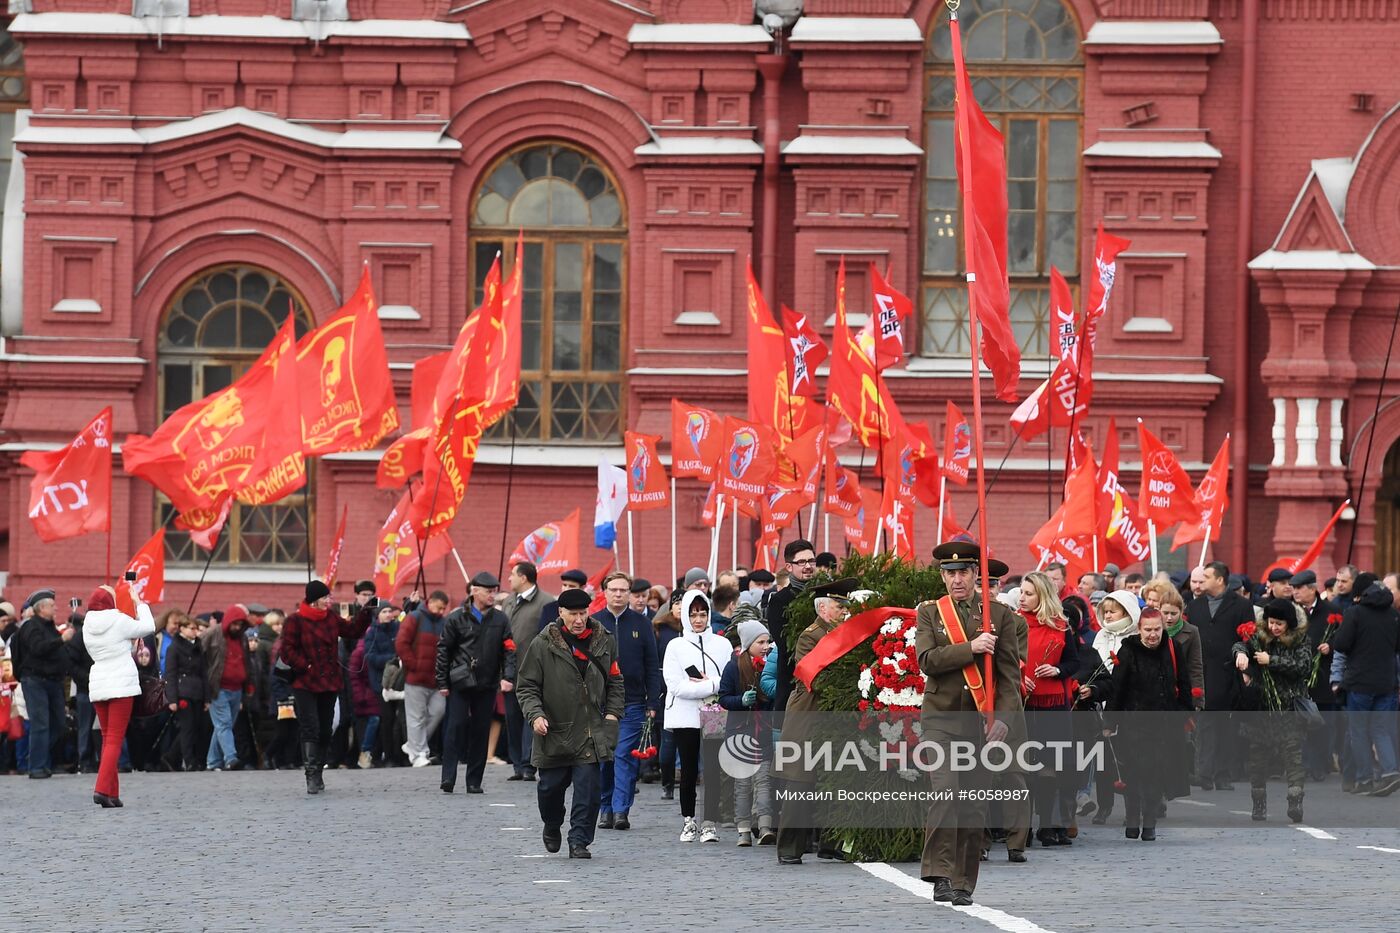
974, 326
466, 577
942, 493
631, 565
1152, 543
733, 539
510, 482
714, 535
200, 585
826, 531
674, 573
107, 572
1205, 546
812, 519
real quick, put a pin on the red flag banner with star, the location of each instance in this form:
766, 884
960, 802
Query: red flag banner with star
1212, 499
1165, 496
148, 564
842, 489
71, 492
805, 352
889, 308
647, 487
772, 402
1123, 530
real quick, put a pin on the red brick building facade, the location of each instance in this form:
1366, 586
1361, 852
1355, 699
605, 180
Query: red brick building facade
185, 171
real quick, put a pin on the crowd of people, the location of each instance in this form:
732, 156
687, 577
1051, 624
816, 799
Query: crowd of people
642, 684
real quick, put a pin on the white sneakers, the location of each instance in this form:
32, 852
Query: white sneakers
689, 831
421, 762
708, 834
365, 760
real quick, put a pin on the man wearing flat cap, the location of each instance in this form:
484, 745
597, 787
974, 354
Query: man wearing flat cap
571, 579
1323, 619
637, 598
571, 695
959, 705
796, 817
40, 664
475, 658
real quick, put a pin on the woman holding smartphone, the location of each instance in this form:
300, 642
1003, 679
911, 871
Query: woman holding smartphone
692, 668
112, 623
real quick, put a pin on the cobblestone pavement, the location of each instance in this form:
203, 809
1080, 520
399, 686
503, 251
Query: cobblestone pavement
386, 850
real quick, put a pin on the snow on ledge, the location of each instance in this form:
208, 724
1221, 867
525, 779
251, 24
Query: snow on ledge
1306, 259
855, 29
1152, 149
240, 27
812, 144
1130, 32
410, 140
699, 145
697, 34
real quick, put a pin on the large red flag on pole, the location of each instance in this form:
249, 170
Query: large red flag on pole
1165, 496
347, 395
1123, 531
149, 566
1315, 550
889, 308
396, 555
333, 560
1212, 499
696, 442
957, 446
772, 401
552, 547
805, 352
71, 493
647, 487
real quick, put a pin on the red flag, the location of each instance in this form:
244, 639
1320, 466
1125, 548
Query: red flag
647, 487
765, 553
696, 444
749, 460
71, 493
707, 511
888, 309
771, 400
1069, 534
333, 561
1165, 495
777, 509
204, 529
957, 446
842, 489
980, 158
396, 553
800, 465
346, 393
1066, 338
427, 374
215, 446
951, 530
805, 352
1100, 279
281, 466
1123, 531
552, 547
897, 519
149, 566
1315, 550
1212, 499
595, 581
853, 386
860, 527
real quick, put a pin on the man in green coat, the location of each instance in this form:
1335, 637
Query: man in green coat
571, 695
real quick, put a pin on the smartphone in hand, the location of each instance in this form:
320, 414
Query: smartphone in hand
693, 671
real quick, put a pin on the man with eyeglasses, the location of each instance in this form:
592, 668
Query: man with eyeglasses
801, 559
640, 664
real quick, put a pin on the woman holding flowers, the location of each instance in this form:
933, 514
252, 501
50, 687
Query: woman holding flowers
1047, 672
1275, 662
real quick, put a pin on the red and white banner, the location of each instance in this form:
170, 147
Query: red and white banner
552, 547
647, 487
957, 446
1165, 496
149, 566
71, 493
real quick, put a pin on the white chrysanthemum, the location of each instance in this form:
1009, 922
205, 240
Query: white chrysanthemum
865, 681
911, 634
908, 698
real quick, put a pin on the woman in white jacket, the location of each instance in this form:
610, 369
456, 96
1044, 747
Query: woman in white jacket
696, 651
113, 683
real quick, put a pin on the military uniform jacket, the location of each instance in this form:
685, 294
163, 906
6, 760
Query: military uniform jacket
798, 724
942, 662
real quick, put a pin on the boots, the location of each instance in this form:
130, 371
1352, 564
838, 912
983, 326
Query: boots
311, 765
1295, 804
1261, 807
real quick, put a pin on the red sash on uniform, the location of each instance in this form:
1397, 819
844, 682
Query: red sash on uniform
972, 673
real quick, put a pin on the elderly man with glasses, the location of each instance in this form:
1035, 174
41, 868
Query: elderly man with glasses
640, 663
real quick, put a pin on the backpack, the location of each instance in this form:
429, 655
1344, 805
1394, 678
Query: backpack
394, 678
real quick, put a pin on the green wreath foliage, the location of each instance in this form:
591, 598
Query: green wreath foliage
895, 583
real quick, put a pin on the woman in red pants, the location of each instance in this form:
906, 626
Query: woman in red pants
113, 683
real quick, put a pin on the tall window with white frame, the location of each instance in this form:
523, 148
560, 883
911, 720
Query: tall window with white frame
574, 222
1027, 73
14, 95
216, 326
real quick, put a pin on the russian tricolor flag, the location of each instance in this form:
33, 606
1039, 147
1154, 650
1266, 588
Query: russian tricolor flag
612, 502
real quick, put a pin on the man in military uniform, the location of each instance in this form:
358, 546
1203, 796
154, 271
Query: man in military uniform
795, 829
952, 650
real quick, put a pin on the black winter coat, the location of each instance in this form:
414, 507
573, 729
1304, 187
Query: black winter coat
1370, 638
1324, 621
39, 650
79, 661
185, 677
777, 622
1218, 637
1150, 690
485, 645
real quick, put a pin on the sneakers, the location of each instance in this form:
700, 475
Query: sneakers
1386, 785
708, 834
422, 762
690, 830
745, 838
365, 760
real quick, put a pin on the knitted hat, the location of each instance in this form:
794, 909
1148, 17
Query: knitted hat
694, 575
750, 630
316, 590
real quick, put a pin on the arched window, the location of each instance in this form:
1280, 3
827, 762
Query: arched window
1027, 73
574, 316
215, 328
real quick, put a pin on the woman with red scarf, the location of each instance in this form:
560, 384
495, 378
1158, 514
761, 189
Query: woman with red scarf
113, 682
309, 652
1052, 659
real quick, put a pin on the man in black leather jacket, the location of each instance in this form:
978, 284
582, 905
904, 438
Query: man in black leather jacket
475, 657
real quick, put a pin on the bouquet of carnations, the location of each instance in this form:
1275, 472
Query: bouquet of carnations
646, 744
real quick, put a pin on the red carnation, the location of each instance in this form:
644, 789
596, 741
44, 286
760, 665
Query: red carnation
1334, 618
863, 705
637, 753
1197, 693
510, 644
184, 704
1113, 656
1120, 786
1245, 631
